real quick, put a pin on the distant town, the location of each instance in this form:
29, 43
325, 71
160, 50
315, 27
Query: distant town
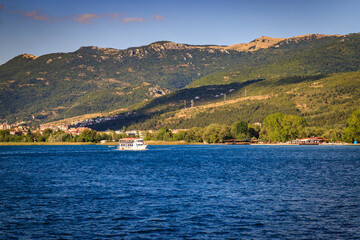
74, 128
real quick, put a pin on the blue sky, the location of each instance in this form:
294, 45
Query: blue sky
40, 27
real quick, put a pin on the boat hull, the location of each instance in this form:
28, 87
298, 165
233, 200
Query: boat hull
140, 148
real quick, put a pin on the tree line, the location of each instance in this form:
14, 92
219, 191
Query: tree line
277, 127
50, 135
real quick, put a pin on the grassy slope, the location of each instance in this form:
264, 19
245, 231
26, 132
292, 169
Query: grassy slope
322, 100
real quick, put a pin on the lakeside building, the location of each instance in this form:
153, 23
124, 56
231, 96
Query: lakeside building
17, 133
257, 123
174, 131
5, 126
132, 133
45, 126
76, 131
312, 140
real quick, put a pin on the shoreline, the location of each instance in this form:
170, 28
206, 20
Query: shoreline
159, 143
88, 143
44, 143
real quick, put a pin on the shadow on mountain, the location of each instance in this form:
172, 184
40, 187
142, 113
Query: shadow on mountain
184, 98
298, 79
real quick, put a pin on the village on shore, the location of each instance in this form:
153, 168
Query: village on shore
75, 129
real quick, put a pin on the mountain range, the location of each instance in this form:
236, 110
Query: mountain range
261, 77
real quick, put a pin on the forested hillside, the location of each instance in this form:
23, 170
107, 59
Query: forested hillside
323, 100
91, 79
55, 85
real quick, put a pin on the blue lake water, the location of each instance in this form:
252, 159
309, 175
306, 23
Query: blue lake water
180, 192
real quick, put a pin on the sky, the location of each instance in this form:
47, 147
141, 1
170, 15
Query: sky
41, 27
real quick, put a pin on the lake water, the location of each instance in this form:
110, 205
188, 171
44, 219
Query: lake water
180, 192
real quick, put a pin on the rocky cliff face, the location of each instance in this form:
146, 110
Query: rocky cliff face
266, 42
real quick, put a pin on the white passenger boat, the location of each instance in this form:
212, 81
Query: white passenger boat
132, 144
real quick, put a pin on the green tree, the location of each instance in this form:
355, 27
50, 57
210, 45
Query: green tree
254, 131
164, 134
60, 137
280, 127
47, 132
240, 130
89, 136
334, 135
149, 136
29, 136
38, 137
181, 135
214, 133
313, 131
352, 132
194, 135
4, 135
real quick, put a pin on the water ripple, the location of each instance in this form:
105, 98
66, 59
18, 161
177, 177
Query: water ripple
177, 192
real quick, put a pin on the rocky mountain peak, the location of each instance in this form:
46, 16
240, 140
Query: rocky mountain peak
259, 43
28, 56
307, 37
167, 45
94, 49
